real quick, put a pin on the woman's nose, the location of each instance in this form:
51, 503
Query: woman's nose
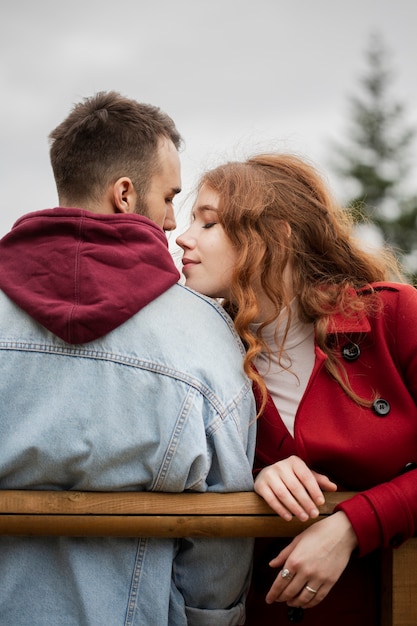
184, 240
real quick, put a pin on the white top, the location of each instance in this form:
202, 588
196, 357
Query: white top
287, 386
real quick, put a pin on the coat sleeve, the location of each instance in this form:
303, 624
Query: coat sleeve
386, 514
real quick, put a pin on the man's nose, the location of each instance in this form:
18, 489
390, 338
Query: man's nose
170, 222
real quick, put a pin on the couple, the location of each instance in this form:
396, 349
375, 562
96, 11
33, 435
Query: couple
119, 378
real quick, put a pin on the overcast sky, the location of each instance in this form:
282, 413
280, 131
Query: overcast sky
237, 76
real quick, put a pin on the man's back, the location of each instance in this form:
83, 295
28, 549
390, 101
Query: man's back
160, 403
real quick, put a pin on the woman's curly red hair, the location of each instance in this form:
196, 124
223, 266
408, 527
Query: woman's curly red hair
278, 212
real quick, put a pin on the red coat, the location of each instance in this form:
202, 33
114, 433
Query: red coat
369, 450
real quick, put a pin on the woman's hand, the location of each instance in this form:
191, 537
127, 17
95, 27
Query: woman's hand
291, 488
313, 562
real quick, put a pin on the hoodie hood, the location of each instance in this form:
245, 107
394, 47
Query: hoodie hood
82, 274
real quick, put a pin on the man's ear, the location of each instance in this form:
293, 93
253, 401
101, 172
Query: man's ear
124, 196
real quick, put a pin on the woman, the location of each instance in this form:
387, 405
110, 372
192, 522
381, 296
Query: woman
332, 348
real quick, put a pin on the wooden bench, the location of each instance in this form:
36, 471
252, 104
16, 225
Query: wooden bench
133, 514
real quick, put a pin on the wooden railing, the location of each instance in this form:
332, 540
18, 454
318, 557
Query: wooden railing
135, 514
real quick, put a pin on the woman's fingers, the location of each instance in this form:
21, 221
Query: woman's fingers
296, 591
291, 488
284, 504
313, 561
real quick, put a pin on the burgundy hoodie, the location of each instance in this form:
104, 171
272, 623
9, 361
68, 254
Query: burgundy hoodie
82, 274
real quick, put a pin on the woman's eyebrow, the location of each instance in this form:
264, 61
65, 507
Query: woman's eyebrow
205, 207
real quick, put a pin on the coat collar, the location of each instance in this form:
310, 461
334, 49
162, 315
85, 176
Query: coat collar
338, 324
355, 323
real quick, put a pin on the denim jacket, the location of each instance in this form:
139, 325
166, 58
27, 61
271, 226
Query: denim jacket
160, 403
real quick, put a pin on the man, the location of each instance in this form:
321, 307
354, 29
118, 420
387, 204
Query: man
115, 377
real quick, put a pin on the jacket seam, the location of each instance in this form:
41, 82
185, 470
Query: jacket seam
129, 361
134, 587
172, 446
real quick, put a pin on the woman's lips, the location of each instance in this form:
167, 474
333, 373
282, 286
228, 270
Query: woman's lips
186, 262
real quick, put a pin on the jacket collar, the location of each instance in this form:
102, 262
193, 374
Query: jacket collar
339, 324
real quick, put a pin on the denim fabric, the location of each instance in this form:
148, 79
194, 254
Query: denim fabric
159, 404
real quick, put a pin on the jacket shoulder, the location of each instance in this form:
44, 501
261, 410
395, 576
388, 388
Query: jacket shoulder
390, 287
198, 313
395, 294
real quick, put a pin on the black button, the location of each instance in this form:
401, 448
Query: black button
295, 614
381, 407
408, 467
351, 352
397, 540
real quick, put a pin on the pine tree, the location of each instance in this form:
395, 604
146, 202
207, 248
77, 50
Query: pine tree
376, 159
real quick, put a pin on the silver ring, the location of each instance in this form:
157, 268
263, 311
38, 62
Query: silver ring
286, 574
310, 589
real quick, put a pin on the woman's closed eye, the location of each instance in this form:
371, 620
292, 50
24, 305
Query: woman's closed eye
210, 224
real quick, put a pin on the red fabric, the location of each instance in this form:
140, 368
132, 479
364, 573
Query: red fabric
358, 449
82, 274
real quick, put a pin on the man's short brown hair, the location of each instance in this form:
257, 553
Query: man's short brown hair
104, 138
